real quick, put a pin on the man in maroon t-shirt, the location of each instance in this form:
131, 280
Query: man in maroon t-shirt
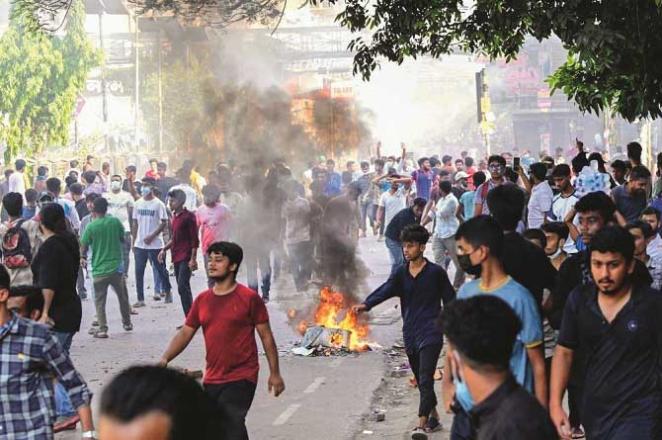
229, 313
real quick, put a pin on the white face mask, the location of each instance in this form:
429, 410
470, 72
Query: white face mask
115, 185
559, 250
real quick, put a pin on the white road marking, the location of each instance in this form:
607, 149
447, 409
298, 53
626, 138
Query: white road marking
336, 362
315, 385
285, 416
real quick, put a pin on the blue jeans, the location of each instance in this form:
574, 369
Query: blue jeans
63, 406
183, 277
395, 252
141, 256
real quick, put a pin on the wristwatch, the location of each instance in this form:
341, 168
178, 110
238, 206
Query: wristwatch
90, 434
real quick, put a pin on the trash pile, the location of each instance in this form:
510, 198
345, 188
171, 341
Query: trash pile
319, 340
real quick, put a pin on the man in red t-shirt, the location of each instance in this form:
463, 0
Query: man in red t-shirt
229, 313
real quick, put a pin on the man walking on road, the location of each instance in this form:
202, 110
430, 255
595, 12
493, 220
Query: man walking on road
183, 246
105, 235
120, 206
229, 314
422, 286
405, 217
149, 220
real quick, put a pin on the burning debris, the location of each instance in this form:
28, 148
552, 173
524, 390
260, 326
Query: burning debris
333, 326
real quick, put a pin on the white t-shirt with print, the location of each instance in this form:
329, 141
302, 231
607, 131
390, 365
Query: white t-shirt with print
392, 204
149, 214
118, 204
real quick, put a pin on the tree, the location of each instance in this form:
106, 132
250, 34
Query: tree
613, 46
41, 77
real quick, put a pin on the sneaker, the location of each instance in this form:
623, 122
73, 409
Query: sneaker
168, 298
139, 304
67, 423
92, 331
95, 323
128, 327
419, 434
578, 433
101, 334
157, 297
265, 299
433, 425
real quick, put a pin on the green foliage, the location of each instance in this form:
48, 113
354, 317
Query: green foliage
41, 77
614, 45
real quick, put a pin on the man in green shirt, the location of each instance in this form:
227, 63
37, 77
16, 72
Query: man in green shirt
105, 235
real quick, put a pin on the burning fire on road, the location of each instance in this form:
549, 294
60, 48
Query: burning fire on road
332, 324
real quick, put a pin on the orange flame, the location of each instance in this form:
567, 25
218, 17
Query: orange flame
333, 311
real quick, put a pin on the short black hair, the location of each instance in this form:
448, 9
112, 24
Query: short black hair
148, 181
613, 239
645, 228
13, 203
561, 170
34, 298
482, 230
414, 233
211, 190
538, 170
497, 158
178, 194
20, 164
31, 195
506, 204
479, 178
380, 162
558, 228
619, 165
483, 330
233, 251
73, 163
639, 172
53, 184
89, 177
445, 186
154, 160
4, 277
42, 170
446, 158
131, 168
468, 161
535, 234
91, 197
100, 205
651, 211
419, 201
634, 151
52, 217
434, 161
422, 160
139, 390
76, 188
598, 202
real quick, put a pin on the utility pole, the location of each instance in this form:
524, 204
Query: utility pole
104, 98
484, 105
160, 80
136, 103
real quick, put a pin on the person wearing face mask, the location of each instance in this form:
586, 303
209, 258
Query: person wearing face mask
480, 244
630, 199
120, 206
422, 287
149, 219
481, 332
496, 165
614, 323
555, 235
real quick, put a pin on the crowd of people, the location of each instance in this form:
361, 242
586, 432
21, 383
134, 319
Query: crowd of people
555, 275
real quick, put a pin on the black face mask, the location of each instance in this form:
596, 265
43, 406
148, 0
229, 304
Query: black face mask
467, 267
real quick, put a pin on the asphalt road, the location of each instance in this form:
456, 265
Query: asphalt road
325, 397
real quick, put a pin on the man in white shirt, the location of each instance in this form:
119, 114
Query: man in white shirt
444, 211
120, 206
390, 203
654, 248
54, 187
149, 220
563, 202
17, 180
540, 201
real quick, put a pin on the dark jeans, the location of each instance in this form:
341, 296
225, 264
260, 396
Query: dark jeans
301, 260
368, 211
141, 256
126, 253
183, 277
232, 400
395, 253
423, 363
461, 428
574, 405
63, 406
253, 262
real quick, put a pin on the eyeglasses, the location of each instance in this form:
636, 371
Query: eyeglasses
495, 166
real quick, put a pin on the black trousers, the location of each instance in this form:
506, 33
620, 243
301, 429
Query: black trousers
183, 277
232, 400
423, 363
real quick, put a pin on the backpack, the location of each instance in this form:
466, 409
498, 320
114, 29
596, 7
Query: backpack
16, 248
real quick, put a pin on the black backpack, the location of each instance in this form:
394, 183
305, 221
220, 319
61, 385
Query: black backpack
16, 248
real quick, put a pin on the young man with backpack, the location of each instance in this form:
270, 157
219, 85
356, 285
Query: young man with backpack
20, 240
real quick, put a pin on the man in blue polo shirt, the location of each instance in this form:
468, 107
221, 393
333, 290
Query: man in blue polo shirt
422, 286
613, 327
480, 243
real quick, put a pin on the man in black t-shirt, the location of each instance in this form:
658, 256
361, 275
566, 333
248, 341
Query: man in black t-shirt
580, 160
615, 325
405, 217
